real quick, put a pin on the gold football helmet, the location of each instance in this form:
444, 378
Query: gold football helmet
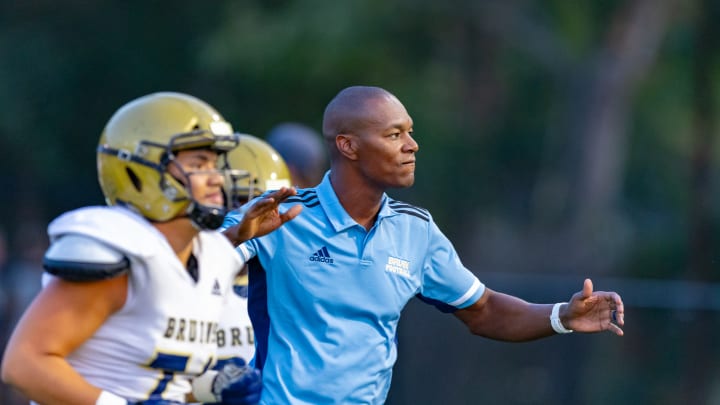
257, 168
139, 142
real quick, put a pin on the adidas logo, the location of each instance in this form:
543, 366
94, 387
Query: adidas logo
322, 256
216, 288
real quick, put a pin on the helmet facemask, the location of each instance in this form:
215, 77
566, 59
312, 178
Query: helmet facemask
257, 168
179, 188
239, 187
141, 141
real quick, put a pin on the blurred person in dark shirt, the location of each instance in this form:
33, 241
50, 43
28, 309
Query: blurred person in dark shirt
303, 150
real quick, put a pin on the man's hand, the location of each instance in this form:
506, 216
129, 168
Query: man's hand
262, 216
590, 311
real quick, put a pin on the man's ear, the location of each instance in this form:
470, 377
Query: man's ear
347, 145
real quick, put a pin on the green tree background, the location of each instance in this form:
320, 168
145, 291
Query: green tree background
558, 140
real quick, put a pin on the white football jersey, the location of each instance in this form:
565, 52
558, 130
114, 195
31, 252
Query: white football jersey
166, 333
235, 333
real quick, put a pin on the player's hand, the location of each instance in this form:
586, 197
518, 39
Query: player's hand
237, 384
262, 216
596, 311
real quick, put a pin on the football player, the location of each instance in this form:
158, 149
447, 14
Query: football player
258, 168
133, 292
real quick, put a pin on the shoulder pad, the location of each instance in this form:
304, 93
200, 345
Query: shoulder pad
76, 257
114, 226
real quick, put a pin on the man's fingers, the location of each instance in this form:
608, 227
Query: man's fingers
616, 329
587, 288
620, 318
260, 206
272, 200
283, 193
291, 213
619, 309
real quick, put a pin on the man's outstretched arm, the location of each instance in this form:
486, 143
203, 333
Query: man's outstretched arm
261, 216
504, 317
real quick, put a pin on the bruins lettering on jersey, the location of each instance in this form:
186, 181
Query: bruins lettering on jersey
191, 330
235, 336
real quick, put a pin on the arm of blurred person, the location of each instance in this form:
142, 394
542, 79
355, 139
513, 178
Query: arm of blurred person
262, 216
63, 316
504, 317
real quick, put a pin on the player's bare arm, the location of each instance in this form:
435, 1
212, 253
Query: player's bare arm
63, 316
262, 216
504, 317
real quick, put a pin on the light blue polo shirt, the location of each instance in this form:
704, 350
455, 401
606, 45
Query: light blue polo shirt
326, 295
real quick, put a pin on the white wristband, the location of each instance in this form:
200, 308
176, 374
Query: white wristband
108, 398
202, 386
555, 319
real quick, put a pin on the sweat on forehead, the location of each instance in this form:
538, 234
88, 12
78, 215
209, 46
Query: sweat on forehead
349, 108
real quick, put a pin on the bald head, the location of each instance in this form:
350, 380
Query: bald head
352, 109
369, 134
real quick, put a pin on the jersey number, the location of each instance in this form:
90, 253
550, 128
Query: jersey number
169, 364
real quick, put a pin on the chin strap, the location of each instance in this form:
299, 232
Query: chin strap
205, 217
